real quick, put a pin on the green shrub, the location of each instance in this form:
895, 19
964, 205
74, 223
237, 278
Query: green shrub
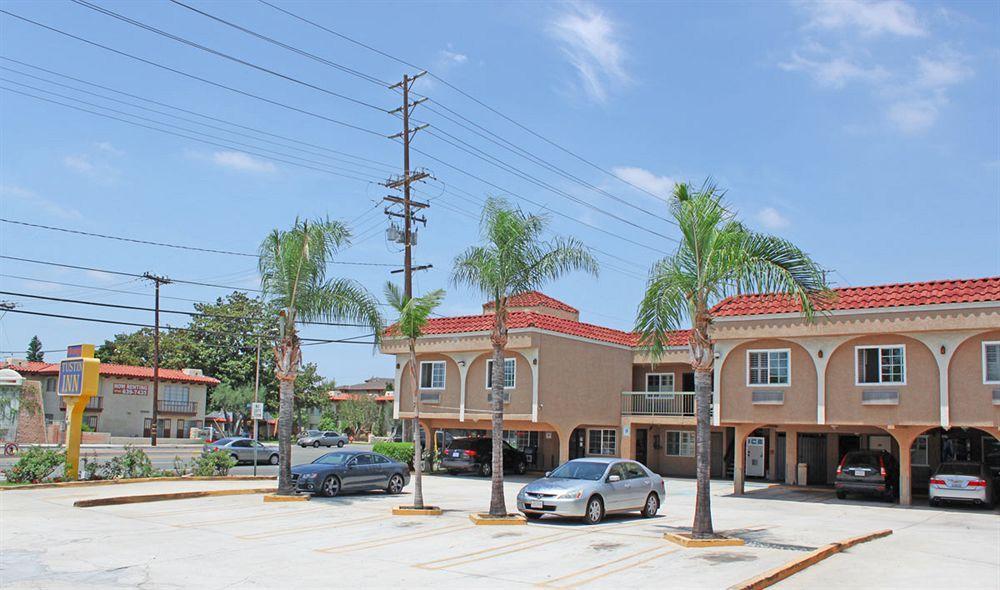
180, 467
398, 451
86, 427
215, 462
134, 463
92, 467
36, 464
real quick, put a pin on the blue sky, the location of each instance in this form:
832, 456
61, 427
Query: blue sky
866, 132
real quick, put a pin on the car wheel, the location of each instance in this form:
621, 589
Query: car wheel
235, 458
651, 507
532, 515
316, 445
521, 467
595, 511
486, 469
273, 460
395, 484
841, 495
340, 444
331, 486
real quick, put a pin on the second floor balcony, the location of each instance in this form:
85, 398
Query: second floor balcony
94, 404
169, 406
679, 404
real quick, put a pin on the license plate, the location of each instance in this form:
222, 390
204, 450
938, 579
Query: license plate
954, 483
455, 454
860, 472
537, 504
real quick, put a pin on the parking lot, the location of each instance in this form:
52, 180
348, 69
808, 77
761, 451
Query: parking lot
241, 542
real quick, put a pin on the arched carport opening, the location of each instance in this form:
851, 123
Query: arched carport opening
931, 447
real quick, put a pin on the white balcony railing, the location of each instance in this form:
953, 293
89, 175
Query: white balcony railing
642, 403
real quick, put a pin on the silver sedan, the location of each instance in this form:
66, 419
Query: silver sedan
590, 488
244, 450
327, 438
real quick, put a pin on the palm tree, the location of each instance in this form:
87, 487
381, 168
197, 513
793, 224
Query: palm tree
413, 315
293, 278
716, 257
512, 259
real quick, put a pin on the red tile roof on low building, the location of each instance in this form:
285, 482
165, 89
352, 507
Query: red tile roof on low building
337, 396
535, 299
112, 370
874, 297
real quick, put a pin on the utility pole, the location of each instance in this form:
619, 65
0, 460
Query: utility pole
406, 180
154, 423
256, 386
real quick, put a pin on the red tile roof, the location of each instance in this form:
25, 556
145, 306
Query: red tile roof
874, 297
337, 396
535, 299
111, 370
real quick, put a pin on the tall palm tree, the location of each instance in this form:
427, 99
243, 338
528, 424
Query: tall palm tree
512, 259
716, 257
413, 315
293, 278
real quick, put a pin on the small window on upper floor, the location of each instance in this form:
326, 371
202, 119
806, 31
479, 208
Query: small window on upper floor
659, 382
509, 373
768, 367
50, 383
432, 375
991, 362
881, 365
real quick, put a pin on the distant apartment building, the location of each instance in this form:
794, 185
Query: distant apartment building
379, 389
123, 406
910, 368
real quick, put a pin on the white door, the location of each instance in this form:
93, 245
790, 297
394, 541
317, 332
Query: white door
754, 464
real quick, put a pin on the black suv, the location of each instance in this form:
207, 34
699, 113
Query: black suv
475, 455
872, 473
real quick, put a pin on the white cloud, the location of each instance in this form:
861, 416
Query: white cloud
39, 202
80, 164
96, 163
771, 218
834, 72
452, 57
892, 17
105, 146
242, 162
661, 186
914, 116
590, 40
947, 68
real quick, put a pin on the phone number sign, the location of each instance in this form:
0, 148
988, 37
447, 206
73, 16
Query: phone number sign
130, 389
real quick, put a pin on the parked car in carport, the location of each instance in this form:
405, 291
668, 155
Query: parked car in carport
962, 481
869, 473
475, 455
243, 450
590, 488
327, 438
350, 471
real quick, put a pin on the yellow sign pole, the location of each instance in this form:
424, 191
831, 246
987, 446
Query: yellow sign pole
78, 382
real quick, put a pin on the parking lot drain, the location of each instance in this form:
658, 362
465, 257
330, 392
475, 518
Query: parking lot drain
782, 546
719, 558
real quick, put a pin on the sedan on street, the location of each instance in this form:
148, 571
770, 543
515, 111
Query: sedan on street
327, 438
963, 481
243, 450
593, 487
350, 471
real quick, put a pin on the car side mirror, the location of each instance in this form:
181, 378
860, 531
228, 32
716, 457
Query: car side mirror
614, 478
548, 474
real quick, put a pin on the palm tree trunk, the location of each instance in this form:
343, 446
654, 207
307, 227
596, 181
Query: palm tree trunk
286, 373
418, 468
497, 505
702, 527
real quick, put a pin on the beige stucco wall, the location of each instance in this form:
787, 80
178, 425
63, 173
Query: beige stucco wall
520, 394
640, 370
450, 395
800, 395
918, 398
970, 398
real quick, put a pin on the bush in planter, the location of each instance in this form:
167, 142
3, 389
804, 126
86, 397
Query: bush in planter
36, 464
133, 464
397, 451
215, 462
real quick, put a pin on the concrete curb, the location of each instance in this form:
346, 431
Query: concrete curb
116, 500
779, 573
109, 482
686, 540
274, 497
410, 511
484, 519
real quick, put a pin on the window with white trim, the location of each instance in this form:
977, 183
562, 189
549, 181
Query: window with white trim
768, 367
432, 374
659, 382
509, 373
991, 362
50, 384
680, 443
877, 365
918, 452
602, 441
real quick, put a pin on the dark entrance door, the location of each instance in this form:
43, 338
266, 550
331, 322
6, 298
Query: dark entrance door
641, 435
146, 430
687, 382
577, 440
779, 458
718, 464
812, 451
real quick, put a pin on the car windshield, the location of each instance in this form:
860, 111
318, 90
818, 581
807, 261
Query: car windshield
224, 441
580, 470
959, 469
861, 460
333, 459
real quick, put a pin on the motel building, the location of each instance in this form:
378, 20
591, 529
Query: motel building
123, 406
910, 368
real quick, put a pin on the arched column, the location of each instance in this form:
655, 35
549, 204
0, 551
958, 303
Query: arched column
742, 431
942, 346
905, 435
464, 361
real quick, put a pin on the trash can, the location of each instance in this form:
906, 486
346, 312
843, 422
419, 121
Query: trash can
802, 472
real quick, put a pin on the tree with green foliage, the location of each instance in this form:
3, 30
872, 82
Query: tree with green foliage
513, 259
311, 392
413, 314
35, 353
234, 403
359, 414
293, 268
716, 257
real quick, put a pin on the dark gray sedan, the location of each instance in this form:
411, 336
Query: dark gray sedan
350, 471
244, 450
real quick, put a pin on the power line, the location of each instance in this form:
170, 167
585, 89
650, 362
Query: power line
167, 245
105, 289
